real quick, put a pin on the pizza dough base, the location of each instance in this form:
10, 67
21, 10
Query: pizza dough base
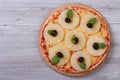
90, 69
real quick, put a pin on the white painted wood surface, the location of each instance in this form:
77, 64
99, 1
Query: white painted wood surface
20, 21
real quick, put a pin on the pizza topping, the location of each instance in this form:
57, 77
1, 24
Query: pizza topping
59, 54
92, 21
90, 24
55, 60
101, 45
83, 65
49, 32
67, 20
80, 59
69, 16
74, 39
97, 46
52, 32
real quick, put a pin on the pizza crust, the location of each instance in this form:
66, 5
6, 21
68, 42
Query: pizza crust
43, 51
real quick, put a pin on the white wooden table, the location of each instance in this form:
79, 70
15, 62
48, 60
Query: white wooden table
20, 21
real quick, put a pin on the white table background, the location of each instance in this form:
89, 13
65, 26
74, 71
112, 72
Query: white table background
20, 21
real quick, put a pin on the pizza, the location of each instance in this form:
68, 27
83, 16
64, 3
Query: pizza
74, 39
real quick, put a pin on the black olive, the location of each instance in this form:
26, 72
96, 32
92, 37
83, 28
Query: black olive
89, 25
59, 54
76, 40
67, 20
95, 46
54, 33
80, 59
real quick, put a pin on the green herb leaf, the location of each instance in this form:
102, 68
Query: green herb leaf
55, 60
49, 32
92, 20
83, 65
74, 39
69, 14
101, 45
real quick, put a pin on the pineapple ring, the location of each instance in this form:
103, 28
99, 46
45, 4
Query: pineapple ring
63, 50
83, 24
71, 25
74, 61
81, 38
90, 48
60, 33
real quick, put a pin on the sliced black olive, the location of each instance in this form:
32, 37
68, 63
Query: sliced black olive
96, 46
59, 54
54, 33
89, 25
67, 20
80, 59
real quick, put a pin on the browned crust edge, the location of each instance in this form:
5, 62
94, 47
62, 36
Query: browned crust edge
84, 72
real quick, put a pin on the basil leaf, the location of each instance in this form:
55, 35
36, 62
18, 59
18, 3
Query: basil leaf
101, 45
73, 37
69, 14
55, 60
49, 32
83, 65
92, 20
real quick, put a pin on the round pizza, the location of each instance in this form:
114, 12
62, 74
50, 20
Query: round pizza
74, 39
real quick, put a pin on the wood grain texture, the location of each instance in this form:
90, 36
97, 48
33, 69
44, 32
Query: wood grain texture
20, 21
